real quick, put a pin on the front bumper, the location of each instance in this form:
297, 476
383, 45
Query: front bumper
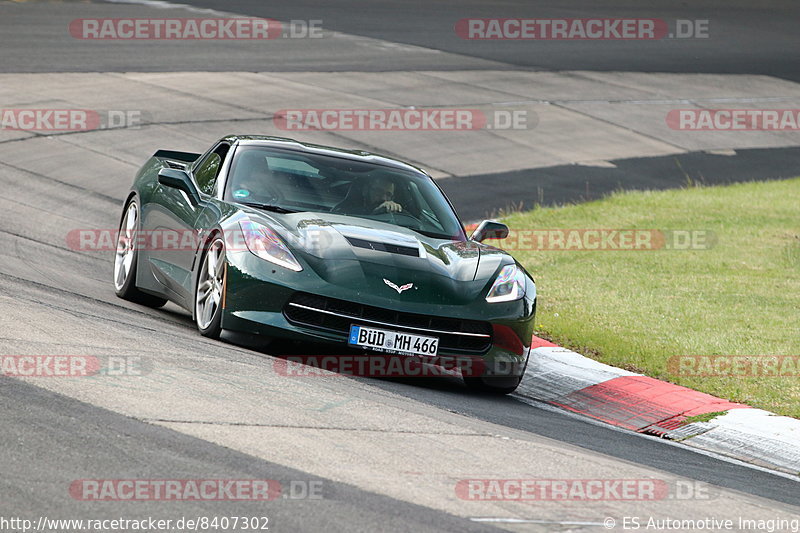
258, 295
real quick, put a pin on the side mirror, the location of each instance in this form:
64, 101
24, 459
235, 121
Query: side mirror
489, 229
179, 179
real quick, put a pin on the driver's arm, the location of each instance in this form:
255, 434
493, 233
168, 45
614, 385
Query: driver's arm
388, 207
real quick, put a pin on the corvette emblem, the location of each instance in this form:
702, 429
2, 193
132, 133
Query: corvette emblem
395, 287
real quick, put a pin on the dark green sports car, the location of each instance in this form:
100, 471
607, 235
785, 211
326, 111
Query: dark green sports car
271, 237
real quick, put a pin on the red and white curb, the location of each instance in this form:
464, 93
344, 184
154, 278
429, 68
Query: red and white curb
570, 381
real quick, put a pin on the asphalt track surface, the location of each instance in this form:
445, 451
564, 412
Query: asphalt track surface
744, 38
57, 300
564, 184
53, 438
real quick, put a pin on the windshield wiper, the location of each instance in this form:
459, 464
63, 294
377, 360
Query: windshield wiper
268, 207
433, 234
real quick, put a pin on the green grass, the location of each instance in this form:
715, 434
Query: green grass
636, 309
705, 417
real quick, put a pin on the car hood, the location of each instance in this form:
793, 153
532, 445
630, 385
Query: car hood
381, 259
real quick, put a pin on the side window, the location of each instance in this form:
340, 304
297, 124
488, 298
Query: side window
208, 171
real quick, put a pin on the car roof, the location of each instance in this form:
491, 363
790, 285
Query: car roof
285, 142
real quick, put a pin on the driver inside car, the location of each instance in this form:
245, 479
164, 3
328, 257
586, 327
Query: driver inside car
372, 195
379, 197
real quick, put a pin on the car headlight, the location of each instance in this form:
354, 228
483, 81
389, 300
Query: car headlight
266, 244
509, 285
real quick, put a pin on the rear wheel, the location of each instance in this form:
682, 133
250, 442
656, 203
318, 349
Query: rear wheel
126, 258
208, 293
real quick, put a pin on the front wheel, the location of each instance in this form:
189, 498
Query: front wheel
493, 385
496, 384
209, 291
126, 258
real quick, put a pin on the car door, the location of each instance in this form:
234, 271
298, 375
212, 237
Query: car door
172, 216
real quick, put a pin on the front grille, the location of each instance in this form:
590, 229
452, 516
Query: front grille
472, 336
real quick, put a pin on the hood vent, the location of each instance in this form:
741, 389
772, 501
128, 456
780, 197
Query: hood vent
383, 247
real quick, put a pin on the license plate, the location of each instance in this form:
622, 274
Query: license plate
397, 342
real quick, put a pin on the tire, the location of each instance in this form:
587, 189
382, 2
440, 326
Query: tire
126, 257
209, 288
493, 385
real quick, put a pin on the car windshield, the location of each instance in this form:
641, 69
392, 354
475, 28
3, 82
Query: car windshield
293, 181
